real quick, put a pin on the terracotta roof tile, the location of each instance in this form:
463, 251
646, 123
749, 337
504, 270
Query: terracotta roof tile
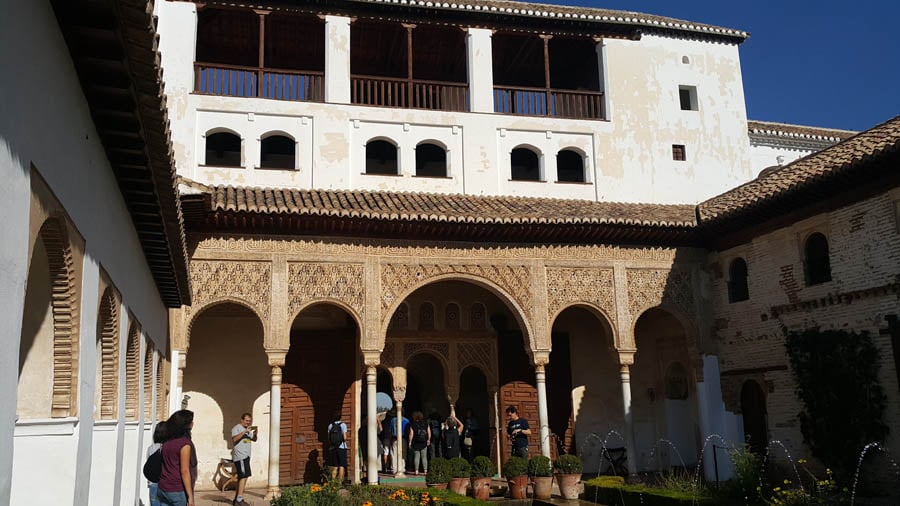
817, 168
411, 206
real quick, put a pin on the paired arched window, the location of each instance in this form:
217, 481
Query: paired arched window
570, 166
737, 281
451, 316
278, 152
525, 165
477, 317
431, 160
381, 158
816, 263
426, 316
223, 149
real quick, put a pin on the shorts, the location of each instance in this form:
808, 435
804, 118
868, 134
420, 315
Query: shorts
386, 447
242, 468
521, 451
338, 457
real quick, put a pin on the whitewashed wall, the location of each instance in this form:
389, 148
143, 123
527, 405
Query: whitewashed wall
48, 126
628, 157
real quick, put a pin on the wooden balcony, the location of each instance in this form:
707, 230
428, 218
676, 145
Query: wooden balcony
561, 103
409, 93
239, 81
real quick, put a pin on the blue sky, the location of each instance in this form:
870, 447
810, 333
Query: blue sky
823, 63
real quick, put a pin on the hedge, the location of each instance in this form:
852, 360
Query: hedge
614, 490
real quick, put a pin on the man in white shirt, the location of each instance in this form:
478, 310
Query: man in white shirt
242, 435
337, 451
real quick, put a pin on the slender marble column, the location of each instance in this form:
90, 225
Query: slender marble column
371, 426
399, 461
543, 418
625, 374
274, 430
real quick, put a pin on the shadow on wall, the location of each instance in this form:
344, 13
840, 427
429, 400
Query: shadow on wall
227, 362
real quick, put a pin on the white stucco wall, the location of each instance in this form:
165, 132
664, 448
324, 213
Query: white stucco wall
628, 157
763, 156
46, 125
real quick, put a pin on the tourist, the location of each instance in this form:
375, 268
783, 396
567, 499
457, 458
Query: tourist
242, 436
469, 435
451, 435
518, 431
419, 437
387, 445
337, 439
159, 437
434, 422
179, 458
401, 454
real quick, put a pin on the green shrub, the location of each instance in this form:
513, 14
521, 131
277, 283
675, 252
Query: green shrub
514, 467
460, 468
614, 490
540, 466
438, 471
324, 495
483, 467
568, 464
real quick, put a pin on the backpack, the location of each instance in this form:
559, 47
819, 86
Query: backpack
435, 428
336, 434
153, 466
451, 438
421, 432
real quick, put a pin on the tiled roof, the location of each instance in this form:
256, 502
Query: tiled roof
431, 207
785, 130
817, 170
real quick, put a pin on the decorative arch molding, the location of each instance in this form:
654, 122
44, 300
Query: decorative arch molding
665, 288
109, 322
481, 355
192, 313
340, 283
245, 282
572, 286
511, 283
132, 370
331, 302
54, 234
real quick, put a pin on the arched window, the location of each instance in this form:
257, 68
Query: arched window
148, 380
426, 316
223, 149
132, 372
431, 160
108, 356
162, 370
278, 152
676, 382
737, 281
400, 320
816, 264
477, 317
525, 165
570, 166
381, 158
451, 316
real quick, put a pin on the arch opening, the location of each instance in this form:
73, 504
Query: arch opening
570, 166
754, 414
278, 152
525, 164
816, 262
737, 281
223, 149
381, 158
431, 160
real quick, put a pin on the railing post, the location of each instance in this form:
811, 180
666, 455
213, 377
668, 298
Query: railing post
409, 64
262, 50
546, 39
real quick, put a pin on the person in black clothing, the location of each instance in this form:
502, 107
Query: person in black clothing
434, 422
518, 431
451, 436
469, 435
419, 441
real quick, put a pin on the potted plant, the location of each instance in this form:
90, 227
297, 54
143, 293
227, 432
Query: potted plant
483, 471
541, 471
438, 475
460, 470
516, 471
568, 470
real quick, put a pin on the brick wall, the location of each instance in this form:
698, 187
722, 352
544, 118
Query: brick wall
864, 248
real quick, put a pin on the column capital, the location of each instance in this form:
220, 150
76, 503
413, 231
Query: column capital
546, 36
408, 26
276, 357
541, 358
626, 357
400, 393
262, 12
372, 358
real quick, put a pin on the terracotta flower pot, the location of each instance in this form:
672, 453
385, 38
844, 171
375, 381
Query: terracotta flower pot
458, 485
543, 486
568, 485
439, 486
481, 488
518, 487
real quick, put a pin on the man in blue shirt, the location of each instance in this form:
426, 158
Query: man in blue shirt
518, 431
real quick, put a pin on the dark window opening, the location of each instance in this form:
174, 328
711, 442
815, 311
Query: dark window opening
381, 158
228, 36
278, 152
223, 150
431, 160
526, 165
687, 96
737, 281
570, 166
816, 262
678, 152
754, 414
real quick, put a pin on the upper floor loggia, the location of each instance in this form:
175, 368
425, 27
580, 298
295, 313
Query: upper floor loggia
398, 63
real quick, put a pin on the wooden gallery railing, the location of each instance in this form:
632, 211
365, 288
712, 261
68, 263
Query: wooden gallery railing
411, 94
240, 81
561, 103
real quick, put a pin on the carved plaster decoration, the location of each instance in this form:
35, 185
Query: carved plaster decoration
451, 316
337, 281
477, 354
441, 349
400, 393
227, 279
387, 355
477, 318
400, 318
426, 316
567, 286
397, 280
649, 288
432, 249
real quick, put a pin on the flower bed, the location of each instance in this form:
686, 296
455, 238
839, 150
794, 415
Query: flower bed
327, 495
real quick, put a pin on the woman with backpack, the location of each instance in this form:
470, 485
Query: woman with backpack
451, 435
179, 459
159, 436
419, 440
